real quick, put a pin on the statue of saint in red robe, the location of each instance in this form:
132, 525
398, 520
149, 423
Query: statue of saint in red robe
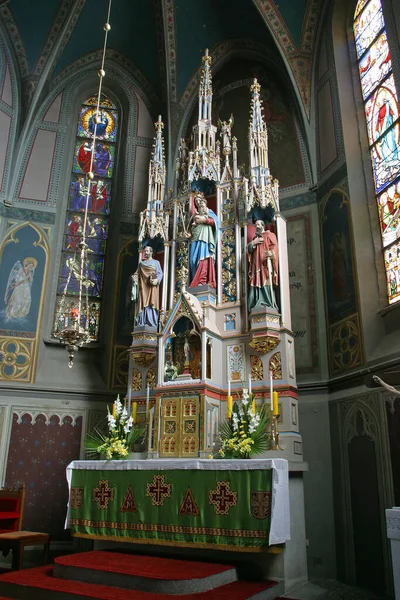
263, 268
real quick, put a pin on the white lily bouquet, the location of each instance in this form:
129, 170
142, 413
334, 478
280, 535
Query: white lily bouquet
122, 434
244, 433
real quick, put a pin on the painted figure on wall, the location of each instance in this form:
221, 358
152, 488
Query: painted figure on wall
263, 268
338, 260
339, 267
18, 292
145, 289
203, 232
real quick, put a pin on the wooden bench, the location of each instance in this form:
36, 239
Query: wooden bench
16, 542
11, 535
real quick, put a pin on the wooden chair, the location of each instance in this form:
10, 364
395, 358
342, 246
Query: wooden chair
11, 535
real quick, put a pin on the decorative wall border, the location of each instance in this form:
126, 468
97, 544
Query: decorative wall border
15, 38
300, 59
170, 48
47, 414
12, 111
312, 309
329, 75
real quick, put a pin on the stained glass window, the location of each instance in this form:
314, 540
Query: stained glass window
383, 124
99, 200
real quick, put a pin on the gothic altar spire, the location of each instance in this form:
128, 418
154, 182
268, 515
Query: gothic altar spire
262, 191
204, 159
152, 221
205, 89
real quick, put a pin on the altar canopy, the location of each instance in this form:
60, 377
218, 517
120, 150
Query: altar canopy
230, 504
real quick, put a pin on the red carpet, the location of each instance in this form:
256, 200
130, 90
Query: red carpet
142, 566
30, 580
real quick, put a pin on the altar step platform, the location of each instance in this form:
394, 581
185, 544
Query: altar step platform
106, 575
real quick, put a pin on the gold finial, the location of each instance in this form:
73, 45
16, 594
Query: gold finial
255, 87
206, 59
159, 125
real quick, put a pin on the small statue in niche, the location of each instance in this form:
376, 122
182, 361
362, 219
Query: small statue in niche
226, 134
145, 289
203, 228
263, 268
182, 152
170, 371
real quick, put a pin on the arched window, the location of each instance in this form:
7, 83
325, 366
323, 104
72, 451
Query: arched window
382, 115
99, 201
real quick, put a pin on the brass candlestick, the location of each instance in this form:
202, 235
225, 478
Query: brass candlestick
275, 433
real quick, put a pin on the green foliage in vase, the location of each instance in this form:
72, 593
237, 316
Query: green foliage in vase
244, 433
118, 442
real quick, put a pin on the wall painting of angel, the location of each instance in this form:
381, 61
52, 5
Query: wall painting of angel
23, 269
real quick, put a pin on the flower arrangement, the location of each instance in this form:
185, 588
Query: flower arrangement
122, 434
245, 431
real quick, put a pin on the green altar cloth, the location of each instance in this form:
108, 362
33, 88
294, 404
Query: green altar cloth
145, 503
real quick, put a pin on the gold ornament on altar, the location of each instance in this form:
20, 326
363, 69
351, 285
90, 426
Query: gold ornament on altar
264, 343
257, 369
143, 359
136, 380
275, 365
151, 378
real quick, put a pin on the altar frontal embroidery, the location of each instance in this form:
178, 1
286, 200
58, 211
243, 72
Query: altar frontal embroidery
76, 498
189, 506
158, 490
129, 503
260, 504
103, 494
223, 498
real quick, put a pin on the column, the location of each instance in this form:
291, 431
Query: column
286, 320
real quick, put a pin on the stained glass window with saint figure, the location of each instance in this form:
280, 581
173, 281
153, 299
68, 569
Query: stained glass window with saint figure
382, 115
99, 200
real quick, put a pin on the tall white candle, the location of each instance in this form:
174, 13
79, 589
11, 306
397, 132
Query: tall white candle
229, 387
249, 384
271, 390
147, 401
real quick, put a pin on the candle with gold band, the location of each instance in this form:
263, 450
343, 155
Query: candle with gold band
114, 410
275, 403
229, 405
253, 406
134, 412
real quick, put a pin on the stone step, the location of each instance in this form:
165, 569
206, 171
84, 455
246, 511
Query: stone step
147, 573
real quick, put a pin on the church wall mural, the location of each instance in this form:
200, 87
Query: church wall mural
302, 293
345, 343
41, 447
24, 255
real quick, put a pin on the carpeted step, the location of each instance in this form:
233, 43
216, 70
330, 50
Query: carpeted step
39, 583
147, 573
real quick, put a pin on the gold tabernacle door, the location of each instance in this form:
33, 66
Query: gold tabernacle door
179, 427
